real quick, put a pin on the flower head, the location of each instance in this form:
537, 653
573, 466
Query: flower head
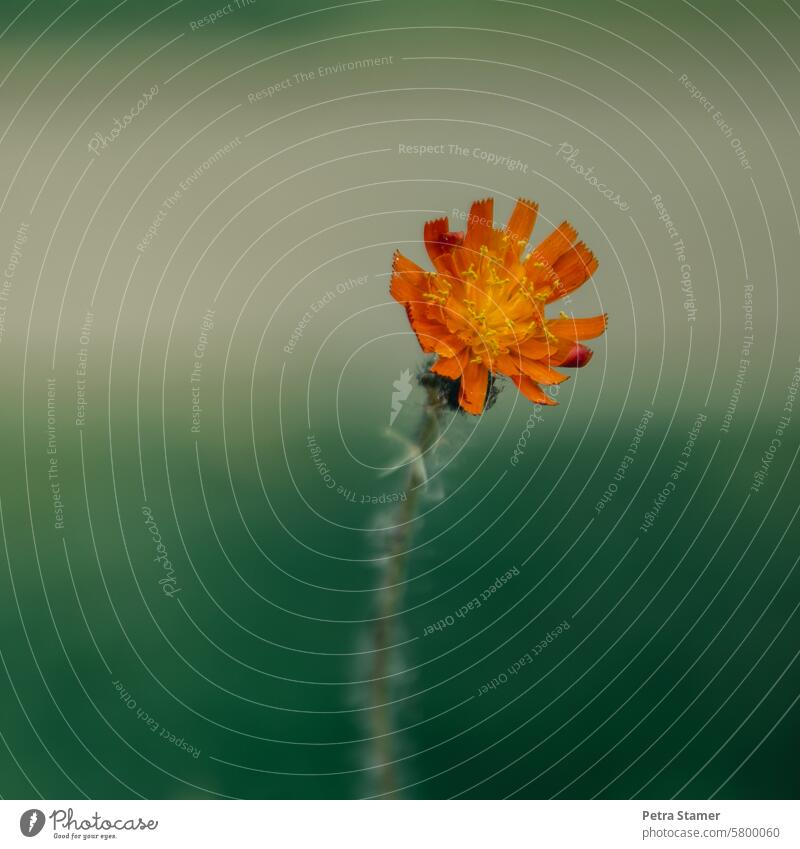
482, 310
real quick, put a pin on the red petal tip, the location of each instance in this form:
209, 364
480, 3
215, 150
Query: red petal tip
453, 237
578, 356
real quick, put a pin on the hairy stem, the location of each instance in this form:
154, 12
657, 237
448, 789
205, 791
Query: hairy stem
389, 595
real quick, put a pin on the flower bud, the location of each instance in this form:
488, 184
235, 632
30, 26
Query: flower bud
578, 356
452, 238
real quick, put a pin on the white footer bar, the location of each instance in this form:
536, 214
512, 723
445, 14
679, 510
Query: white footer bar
402, 824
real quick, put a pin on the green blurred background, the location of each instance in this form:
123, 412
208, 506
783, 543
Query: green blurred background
677, 675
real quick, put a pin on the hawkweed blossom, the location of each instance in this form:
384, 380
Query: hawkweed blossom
481, 313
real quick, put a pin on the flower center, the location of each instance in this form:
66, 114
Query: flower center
492, 307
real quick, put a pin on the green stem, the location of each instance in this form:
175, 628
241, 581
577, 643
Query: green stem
395, 567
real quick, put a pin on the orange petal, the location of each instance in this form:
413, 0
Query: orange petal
445, 265
577, 263
432, 233
479, 224
532, 391
557, 243
540, 372
535, 349
472, 395
573, 269
448, 345
520, 225
506, 363
428, 331
408, 280
448, 367
576, 329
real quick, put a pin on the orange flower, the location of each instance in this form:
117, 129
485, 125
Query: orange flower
483, 309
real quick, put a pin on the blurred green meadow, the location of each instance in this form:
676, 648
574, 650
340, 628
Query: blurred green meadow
254, 323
